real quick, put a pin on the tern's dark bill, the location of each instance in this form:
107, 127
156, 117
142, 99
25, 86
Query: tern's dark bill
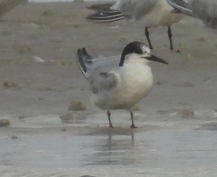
155, 58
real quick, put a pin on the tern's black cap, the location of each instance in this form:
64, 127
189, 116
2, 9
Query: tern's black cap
133, 47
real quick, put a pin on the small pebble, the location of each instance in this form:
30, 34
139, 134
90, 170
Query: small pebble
159, 83
67, 118
11, 84
187, 113
188, 84
25, 49
201, 39
63, 129
178, 51
47, 13
14, 137
4, 122
76, 106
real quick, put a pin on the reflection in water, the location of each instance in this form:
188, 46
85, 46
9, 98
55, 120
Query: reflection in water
164, 149
104, 146
114, 147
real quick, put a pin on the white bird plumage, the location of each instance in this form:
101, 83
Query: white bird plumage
152, 13
119, 85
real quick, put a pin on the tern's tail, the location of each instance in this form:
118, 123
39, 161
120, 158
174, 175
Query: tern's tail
104, 14
84, 59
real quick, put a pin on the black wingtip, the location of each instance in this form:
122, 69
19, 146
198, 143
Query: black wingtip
84, 59
81, 61
105, 16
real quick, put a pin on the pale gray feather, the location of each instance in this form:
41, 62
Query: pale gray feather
99, 73
104, 81
206, 10
134, 8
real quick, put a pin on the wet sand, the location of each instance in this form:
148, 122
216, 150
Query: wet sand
177, 121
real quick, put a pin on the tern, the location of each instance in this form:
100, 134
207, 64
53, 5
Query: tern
119, 82
205, 10
152, 13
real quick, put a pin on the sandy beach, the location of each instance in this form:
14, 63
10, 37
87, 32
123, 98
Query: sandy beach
40, 80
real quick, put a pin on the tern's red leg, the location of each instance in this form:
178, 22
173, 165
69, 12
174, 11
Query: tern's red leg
132, 125
109, 118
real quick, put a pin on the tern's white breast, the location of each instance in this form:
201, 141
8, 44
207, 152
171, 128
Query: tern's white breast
134, 82
137, 81
160, 15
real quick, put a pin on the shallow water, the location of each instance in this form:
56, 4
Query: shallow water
104, 151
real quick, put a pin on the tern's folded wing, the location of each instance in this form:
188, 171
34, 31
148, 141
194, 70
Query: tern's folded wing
205, 10
103, 82
201, 9
134, 8
180, 6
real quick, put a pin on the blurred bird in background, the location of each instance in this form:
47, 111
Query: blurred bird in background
152, 13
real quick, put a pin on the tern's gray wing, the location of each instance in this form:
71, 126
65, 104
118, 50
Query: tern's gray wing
180, 7
103, 81
102, 75
205, 10
100, 72
134, 8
